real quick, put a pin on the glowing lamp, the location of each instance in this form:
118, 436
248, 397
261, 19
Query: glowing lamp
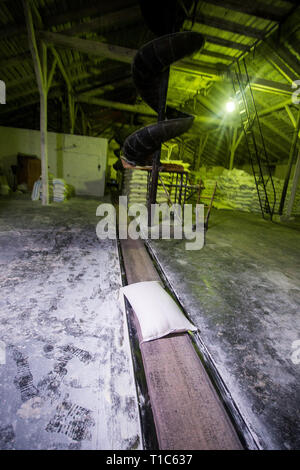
230, 106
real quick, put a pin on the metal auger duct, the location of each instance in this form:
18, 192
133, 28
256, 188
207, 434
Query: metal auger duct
148, 68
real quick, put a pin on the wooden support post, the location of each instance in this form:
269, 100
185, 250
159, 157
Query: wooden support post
40, 67
234, 145
51, 74
232, 148
289, 165
72, 113
202, 143
44, 148
291, 116
296, 180
83, 122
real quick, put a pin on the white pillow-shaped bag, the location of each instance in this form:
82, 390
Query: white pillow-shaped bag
156, 311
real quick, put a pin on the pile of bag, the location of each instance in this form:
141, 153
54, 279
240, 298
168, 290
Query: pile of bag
236, 189
135, 187
59, 190
135, 184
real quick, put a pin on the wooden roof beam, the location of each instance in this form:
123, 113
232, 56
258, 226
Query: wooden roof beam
121, 54
277, 132
226, 43
103, 79
291, 116
136, 109
12, 30
285, 56
253, 8
230, 26
68, 16
13, 61
125, 55
111, 21
201, 68
101, 8
53, 93
269, 86
102, 87
217, 55
274, 108
272, 56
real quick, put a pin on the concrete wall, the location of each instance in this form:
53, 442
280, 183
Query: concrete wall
80, 160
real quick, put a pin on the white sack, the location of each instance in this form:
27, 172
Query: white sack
157, 313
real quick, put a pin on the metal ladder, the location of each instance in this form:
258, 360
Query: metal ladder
255, 141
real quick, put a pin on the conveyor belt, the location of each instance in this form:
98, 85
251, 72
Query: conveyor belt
188, 413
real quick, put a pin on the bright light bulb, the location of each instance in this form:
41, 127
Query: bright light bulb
230, 106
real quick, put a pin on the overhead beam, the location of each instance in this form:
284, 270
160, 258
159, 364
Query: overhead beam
101, 88
200, 68
121, 54
276, 132
126, 55
291, 24
13, 61
71, 102
270, 149
118, 53
101, 80
25, 57
204, 101
217, 55
272, 56
253, 8
68, 16
12, 30
225, 42
289, 58
101, 8
53, 93
30, 91
291, 116
111, 21
230, 26
274, 108
269, 86
137, 109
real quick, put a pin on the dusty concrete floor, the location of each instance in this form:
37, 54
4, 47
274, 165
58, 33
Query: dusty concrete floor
243, 291
66, 381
